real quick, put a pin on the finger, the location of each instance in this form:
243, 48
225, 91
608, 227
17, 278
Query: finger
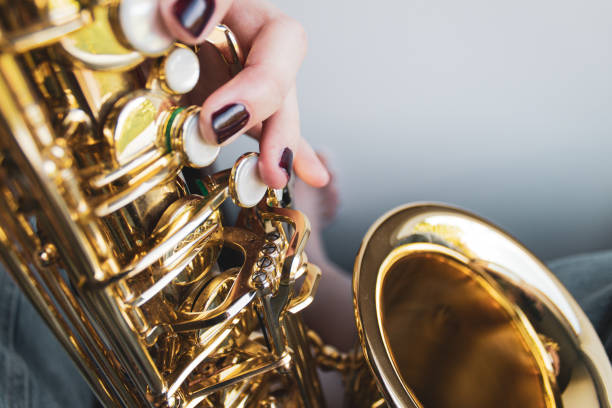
280, 133
255, 131
260, 88
192, 20
279, 143
247, 17
309, 167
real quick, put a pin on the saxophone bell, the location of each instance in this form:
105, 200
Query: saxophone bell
161, 303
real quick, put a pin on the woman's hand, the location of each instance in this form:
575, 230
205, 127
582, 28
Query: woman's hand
264, 91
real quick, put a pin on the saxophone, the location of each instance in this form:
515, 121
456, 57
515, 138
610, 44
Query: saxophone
161, 303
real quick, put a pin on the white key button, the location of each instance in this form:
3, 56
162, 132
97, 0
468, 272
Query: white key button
143, 27
199, 153
249, 188
181, 70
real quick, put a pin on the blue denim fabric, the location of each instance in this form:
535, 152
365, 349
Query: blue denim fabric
34, 369
589, 279
36, 372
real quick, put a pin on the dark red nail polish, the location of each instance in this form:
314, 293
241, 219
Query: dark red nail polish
194, 14
286, 161
229, 120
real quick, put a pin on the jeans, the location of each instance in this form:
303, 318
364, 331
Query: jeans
34, 369
36, 372
589, 279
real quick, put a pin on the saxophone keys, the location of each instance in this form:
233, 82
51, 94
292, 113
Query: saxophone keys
246, 187
196, 151
180, 70
142, 27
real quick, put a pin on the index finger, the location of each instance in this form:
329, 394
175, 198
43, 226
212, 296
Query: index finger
191, 21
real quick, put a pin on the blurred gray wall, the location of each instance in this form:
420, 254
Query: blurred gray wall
501, 107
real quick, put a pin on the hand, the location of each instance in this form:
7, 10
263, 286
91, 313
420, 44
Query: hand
264, 91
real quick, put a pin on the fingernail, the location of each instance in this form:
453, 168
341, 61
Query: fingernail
227, 121
194, 14
286, 161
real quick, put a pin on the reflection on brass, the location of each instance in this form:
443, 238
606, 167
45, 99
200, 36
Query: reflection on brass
161, 303
453, 312
467, 335
97, 46
100, 231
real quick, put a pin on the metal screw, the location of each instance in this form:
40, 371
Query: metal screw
273, 236
269, 248
264, 262
260, 279
259, 276
47, 255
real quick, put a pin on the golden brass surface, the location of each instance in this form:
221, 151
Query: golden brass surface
101, 232
468, 334
453, 312
161, 303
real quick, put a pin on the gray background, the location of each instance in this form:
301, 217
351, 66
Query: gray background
501, 107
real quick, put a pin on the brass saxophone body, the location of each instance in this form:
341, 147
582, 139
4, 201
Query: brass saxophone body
161, 303
100, 230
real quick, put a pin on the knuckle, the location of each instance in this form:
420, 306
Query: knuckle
275, 88
294, 28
